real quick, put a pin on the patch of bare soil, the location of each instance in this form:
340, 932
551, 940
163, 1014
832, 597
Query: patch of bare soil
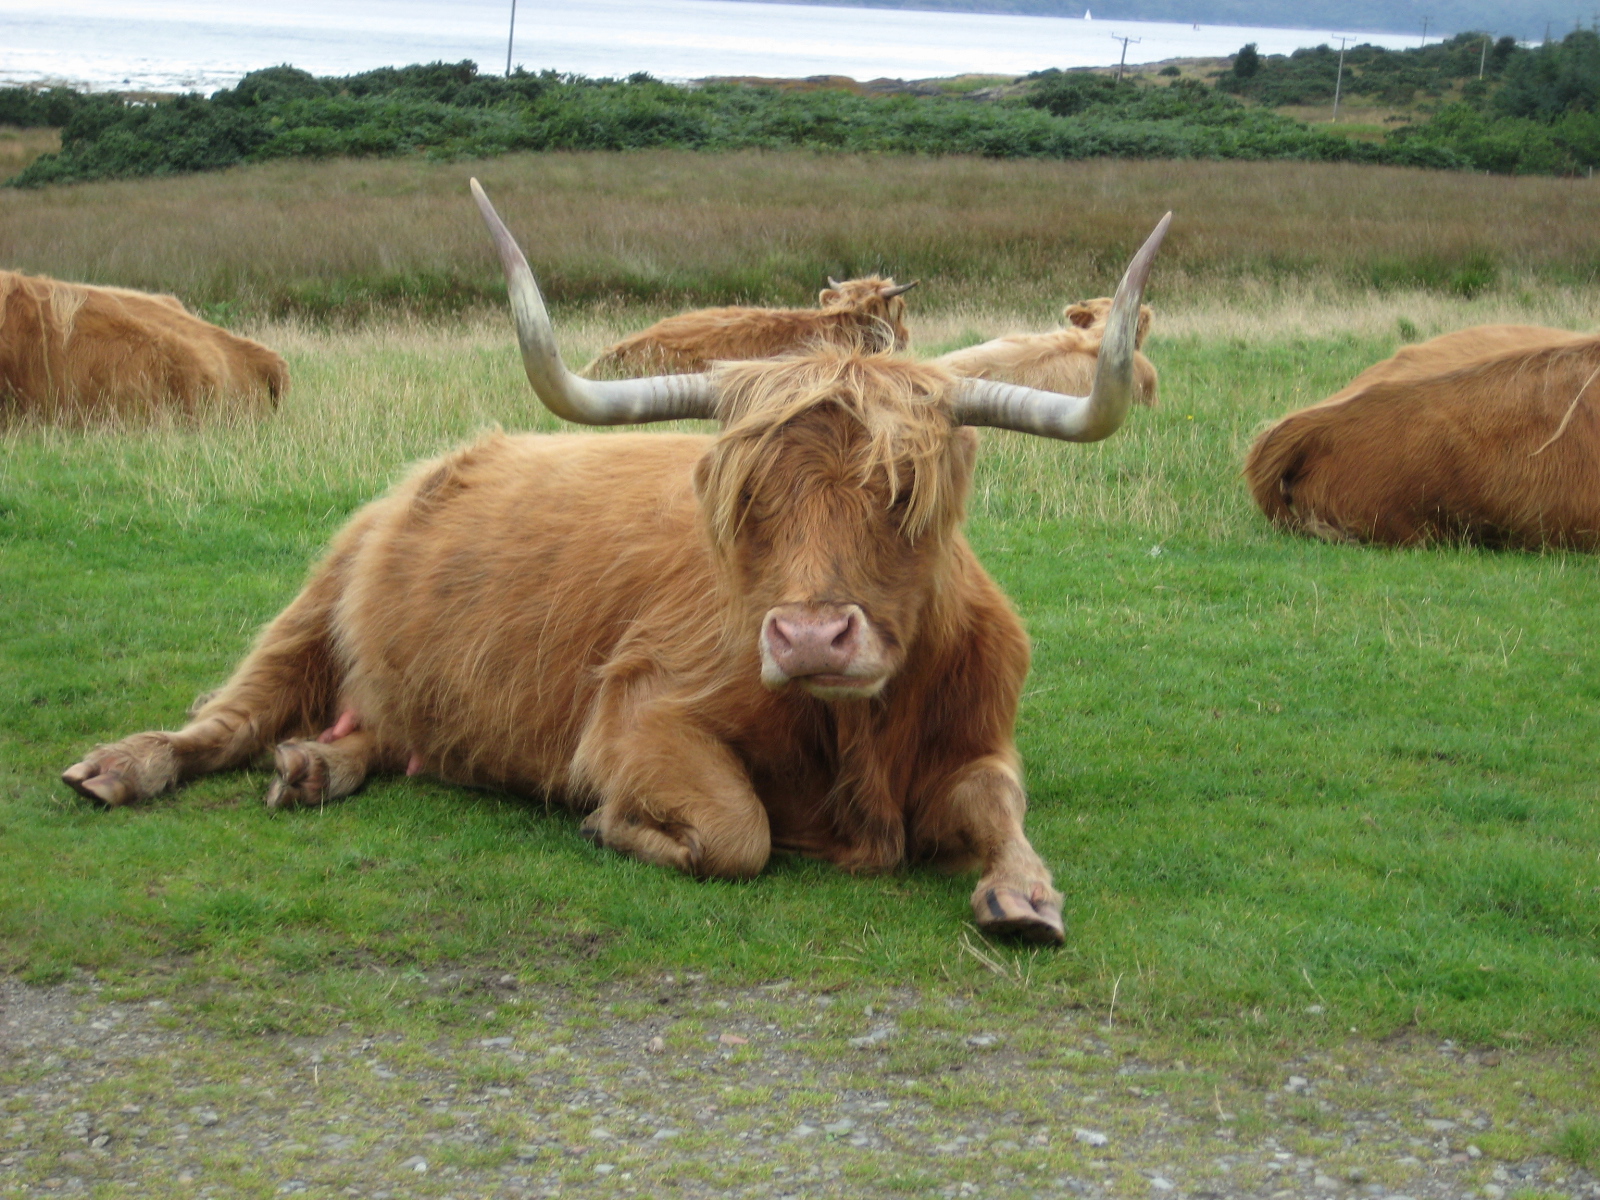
683, 1088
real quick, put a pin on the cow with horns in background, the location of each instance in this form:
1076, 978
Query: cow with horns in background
773, 638
1062, 360
1487, 435
69, 351
858, 313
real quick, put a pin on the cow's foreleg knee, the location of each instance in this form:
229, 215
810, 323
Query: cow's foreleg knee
309, 773
676, 796
979, 816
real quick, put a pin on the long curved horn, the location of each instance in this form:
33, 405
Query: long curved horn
1074, 418
901, 290
588, 402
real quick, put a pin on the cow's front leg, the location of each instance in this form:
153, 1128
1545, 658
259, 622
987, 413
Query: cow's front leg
674, 795
978, 816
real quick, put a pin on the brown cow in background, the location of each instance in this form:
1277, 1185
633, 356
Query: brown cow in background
1061, 361
1488, 435
774, 638
866, 314
69, 351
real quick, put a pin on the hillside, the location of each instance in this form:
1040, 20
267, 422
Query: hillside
1526, 20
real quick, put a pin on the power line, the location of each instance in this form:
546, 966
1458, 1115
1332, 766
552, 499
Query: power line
1338, 79
1124, 40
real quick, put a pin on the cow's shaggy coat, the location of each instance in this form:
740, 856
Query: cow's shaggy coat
578, 615
776, 637
867, 313
1488, 435
1062, 360
71, 352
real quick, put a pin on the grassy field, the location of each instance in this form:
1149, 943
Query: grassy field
1292, 791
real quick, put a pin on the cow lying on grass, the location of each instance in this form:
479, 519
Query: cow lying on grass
717, 646
71, 352
866, 314
1060, 361
1488, 435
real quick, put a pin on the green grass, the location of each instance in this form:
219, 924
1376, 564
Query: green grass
1289, 789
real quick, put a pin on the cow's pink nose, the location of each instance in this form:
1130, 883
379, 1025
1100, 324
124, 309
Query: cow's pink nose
812, 644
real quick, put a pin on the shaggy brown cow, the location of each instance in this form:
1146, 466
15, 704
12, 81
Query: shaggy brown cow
776, 637
1059, 361
71, 351
865, 313
1489, 435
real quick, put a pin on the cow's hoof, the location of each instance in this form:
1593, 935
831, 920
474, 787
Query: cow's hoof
1005, 912
100, 778
590, 829
132, 769
300, 777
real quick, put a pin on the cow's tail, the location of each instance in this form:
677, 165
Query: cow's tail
1271, 468
276, 373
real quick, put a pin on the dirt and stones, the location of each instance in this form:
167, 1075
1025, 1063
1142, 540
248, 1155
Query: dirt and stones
679, 1087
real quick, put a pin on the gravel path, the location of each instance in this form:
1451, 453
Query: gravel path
683, 1088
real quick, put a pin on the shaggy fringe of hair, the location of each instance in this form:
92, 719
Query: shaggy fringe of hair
903, 407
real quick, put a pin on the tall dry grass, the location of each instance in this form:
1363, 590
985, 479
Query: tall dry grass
368, 401
668, 228
19, 147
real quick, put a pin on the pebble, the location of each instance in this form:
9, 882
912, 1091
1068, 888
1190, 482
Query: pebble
1090, 1138
1439, 1125
1296, 1082
881, 1034
417, 1164
1326, 1182
604, 1168
982, 1039
1160, 1184
662, 1135
656, 1045
207, 1118
497, 1043
845, 1125
803, 1131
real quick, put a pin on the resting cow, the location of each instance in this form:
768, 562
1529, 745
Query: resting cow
773, 638
1488, 435
1060, 361
866, 313
71, 351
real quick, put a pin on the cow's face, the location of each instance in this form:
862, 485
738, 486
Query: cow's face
879, 304
832, 520
1091, 316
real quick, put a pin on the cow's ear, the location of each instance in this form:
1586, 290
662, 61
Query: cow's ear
1081, 315
702, 475
828, 296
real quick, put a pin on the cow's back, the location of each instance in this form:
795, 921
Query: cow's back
1453, 438
487, 596
75, 350
1063, 360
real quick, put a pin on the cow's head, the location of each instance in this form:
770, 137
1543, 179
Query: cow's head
1091, 315
877, 303
840, 477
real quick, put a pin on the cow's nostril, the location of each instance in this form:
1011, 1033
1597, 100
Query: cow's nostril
846, 635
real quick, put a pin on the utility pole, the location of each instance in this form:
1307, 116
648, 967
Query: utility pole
511, 37
1547, 33
1483, 55
1338, 79
1425, 30
1124, 40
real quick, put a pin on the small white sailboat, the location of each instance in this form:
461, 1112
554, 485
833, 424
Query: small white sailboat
1086, 15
